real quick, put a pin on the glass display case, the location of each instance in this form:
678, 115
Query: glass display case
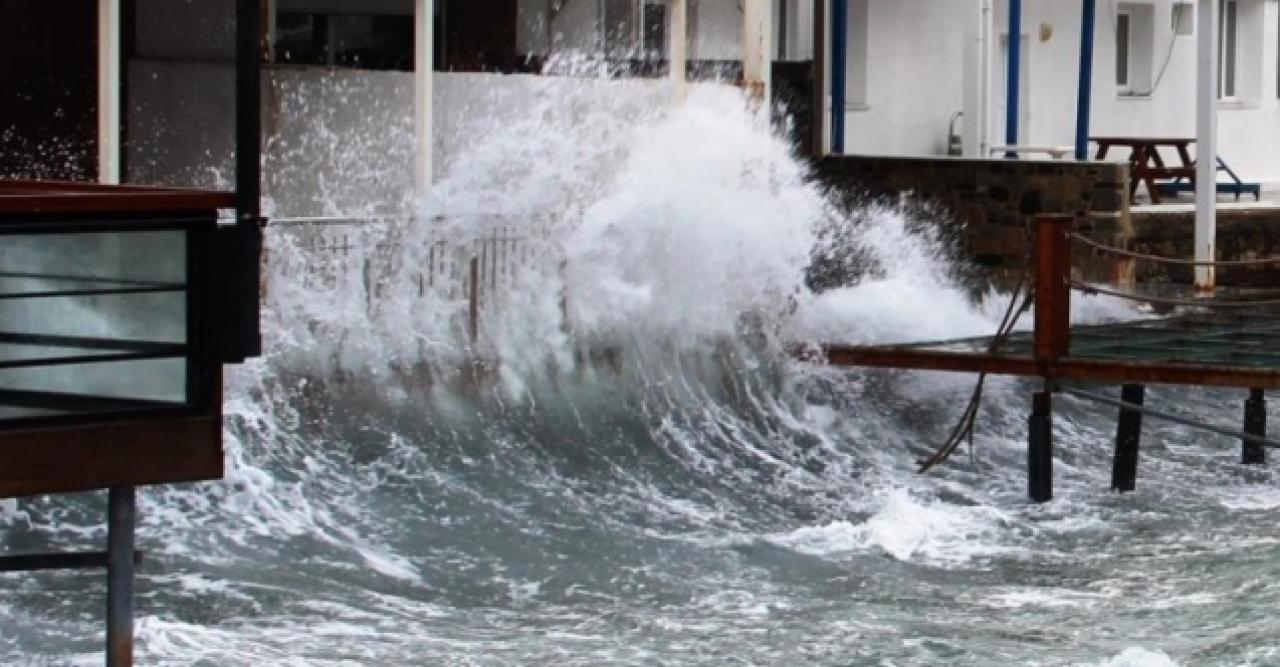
108, 335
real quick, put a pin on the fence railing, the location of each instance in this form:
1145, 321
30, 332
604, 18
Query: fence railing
482, 270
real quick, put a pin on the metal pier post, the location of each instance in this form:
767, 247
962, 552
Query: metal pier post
1040, 448
1255, 423
1124, 471
121, 511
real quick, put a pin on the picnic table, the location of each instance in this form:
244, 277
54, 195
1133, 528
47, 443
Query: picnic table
1146, 165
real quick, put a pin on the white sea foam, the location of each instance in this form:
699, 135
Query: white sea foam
907, 528
1139, 657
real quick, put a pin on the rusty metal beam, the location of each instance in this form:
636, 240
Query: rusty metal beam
1053, 295
1112, 371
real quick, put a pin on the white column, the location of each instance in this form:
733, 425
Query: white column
757, 45
423, 46
1206, 142
678, 49
109, 91
975, 38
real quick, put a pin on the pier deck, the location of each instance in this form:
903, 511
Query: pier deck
1237, 349
1209, 342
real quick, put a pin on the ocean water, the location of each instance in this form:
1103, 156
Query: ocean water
626, 467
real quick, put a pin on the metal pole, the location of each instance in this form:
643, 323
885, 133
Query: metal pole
839, 71
1169, 417
243, 242
1014, 84
120, 539
986, 30
1085, 96
108, 91
678, 56
757, 38
1040, 448
1255, 424
423, 44
1206, 143
1124, 470
473, 302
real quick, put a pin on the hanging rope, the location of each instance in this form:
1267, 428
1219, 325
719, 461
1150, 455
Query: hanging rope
964, 428
1170, 301
1084, 240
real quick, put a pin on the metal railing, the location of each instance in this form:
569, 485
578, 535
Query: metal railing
480, 270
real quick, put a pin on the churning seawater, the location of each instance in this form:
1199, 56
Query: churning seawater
638, 474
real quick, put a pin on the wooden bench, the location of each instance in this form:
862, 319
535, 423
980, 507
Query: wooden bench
1233, 187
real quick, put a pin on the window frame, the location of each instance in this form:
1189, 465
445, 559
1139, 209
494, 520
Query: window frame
1125, 86
1229, 51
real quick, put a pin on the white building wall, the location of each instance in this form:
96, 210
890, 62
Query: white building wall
1249, 127
914, 75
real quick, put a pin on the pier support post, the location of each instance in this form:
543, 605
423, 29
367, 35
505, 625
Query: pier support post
1255, 423
120, 539
1124, 471
1040, 448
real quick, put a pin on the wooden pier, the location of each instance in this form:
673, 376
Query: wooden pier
1207, 342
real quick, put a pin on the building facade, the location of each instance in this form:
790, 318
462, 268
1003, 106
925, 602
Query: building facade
923, 77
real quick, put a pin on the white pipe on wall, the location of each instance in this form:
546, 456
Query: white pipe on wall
109, 91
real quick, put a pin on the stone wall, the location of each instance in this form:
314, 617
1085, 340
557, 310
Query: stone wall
992, 201
1243, 234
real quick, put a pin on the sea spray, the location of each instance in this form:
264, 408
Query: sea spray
639, 475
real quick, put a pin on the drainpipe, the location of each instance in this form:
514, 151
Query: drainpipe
1206, 143
1084, 98
839, 71
1014, 79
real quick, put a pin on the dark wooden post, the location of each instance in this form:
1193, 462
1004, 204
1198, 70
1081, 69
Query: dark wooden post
1053, 294
1255, 423
120, 539
1124, 471
1040, 448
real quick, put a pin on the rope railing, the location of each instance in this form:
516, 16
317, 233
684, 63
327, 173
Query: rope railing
1101, 247
1170, 301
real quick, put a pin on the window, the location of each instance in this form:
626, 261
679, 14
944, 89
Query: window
655, 31
1135, 45
1228, 51
382, 42
1123, 38
618, 29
